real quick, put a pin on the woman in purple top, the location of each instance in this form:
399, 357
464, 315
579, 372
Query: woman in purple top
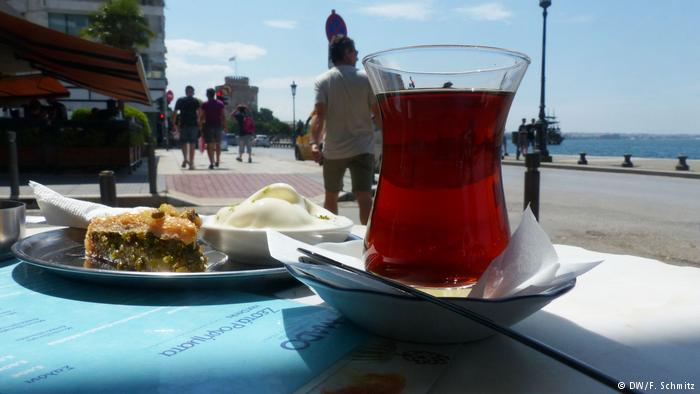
213, 117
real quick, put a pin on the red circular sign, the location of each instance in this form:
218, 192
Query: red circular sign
335, 25
169, 96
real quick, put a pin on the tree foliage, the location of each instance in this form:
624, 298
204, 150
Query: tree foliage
121, 24
265, 123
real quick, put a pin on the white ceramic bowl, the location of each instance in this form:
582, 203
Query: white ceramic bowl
409, 319
249, 246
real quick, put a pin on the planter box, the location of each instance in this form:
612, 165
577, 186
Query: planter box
72, 157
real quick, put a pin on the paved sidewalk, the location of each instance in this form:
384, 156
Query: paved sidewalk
233, 181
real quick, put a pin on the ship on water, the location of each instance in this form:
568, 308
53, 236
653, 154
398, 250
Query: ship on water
554, 136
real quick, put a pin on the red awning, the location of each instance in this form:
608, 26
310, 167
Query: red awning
101, 68
32, 86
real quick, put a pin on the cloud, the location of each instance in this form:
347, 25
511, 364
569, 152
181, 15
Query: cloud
214, 49
281, 24
180, 73
486, 12
410, 10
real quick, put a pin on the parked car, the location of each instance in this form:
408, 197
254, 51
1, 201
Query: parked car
262, 140
232, 139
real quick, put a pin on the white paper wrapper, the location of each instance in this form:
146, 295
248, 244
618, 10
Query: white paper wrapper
64, 211
529, 265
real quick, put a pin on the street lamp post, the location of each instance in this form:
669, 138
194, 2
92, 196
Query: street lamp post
294, 110
542, 122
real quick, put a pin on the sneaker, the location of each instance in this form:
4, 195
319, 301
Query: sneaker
184, 164
211, 166
239, 159
250, 160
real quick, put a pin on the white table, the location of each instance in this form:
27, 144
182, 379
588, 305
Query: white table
633, 318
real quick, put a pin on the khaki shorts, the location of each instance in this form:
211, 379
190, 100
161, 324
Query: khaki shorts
361, 172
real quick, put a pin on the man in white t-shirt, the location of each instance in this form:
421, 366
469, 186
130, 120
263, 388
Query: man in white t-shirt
344, 106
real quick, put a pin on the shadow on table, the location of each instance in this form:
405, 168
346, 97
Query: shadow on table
320, 335
44, 282
660, 356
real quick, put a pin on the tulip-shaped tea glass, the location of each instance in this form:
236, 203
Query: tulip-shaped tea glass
439, 216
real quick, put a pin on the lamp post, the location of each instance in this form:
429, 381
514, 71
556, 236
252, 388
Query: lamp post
542, 122
294, 110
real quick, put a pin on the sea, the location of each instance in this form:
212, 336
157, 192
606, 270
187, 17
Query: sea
637, 146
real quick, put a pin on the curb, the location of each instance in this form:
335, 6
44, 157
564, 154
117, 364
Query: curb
636, 171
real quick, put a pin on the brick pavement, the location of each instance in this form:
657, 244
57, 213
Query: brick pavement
237, 186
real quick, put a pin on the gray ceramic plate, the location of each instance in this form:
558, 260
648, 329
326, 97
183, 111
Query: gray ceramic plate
62, 252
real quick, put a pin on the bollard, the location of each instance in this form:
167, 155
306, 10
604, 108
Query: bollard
582, 160
152, 169
628, 161
13, 165
108, 188
682, 165
532, 183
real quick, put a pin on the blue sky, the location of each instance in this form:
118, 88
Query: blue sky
630, 66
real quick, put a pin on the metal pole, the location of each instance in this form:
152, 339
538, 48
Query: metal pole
294, 113
108, 188
13, 165
542, 131
152, 169
532, 184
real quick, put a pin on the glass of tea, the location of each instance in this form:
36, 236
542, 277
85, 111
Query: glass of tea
439, 215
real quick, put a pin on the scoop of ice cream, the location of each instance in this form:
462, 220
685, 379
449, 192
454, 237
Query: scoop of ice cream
277, 206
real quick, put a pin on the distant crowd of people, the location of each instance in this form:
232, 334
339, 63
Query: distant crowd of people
194, 121
526, 137
342, 127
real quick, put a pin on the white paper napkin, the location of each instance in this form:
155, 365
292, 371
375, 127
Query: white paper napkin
64, 211
529, 265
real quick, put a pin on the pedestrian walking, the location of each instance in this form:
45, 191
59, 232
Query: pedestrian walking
246, 131
531, 128
522, 140
213, 119
344, 106
187, 131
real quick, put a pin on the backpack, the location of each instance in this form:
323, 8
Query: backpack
248, 125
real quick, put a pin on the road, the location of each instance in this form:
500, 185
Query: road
651, 216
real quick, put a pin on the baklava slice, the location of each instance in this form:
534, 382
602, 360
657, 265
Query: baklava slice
157, 240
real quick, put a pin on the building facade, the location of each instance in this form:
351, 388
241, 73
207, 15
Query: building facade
238, 91
71, 16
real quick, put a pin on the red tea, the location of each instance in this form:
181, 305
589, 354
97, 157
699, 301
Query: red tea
439, 216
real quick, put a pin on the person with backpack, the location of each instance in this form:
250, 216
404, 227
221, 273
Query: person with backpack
246, 132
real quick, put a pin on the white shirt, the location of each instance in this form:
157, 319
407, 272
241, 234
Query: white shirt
348, 98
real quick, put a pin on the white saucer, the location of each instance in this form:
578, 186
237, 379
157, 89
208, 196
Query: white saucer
389, 312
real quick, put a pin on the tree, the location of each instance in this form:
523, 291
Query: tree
267, 123
121, 24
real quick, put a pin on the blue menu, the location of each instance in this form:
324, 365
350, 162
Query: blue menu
61, 335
